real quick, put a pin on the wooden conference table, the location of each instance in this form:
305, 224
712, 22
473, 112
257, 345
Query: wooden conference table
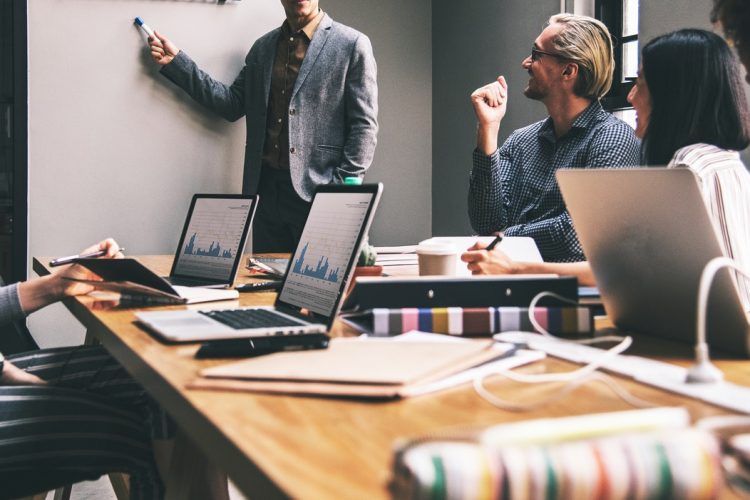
305, 447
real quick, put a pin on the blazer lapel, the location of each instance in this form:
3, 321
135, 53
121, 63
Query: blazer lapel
313, 51
268, 57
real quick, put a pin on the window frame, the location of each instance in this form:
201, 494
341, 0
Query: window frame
610, 12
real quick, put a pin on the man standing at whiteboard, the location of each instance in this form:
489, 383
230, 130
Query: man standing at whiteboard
309, 94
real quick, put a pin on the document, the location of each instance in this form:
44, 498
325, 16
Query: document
366, 367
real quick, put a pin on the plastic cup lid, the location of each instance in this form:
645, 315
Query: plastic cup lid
435, 248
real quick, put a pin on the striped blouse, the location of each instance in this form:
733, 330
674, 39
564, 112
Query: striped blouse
725, 185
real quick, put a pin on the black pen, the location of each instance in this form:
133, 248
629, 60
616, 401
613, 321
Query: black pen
494, 242
67, 260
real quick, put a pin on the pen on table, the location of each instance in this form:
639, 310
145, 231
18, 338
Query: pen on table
494, 242
67, 260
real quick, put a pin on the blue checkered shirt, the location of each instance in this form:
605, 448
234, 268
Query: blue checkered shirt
514, 189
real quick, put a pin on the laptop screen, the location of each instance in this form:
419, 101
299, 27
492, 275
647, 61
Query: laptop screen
328, 247
213, 238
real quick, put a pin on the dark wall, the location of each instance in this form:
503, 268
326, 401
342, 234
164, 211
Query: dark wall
472, 43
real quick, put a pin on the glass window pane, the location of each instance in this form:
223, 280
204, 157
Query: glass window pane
630, 60
629, 17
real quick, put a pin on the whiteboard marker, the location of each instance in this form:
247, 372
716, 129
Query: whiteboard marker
144, 27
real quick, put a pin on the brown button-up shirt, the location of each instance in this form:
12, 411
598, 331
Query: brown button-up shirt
290, 52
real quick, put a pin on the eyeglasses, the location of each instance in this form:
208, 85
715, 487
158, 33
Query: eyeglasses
536, 54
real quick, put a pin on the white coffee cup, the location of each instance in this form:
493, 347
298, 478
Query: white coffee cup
437, 258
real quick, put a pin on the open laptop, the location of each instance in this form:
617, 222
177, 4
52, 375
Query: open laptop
314, 283
213, 240
647, 235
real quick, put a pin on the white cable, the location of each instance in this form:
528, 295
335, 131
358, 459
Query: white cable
533, 304
539, 328
572, 379
569, 387
704, 372
570, 376
624, 343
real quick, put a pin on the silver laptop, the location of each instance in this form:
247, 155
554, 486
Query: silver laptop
314, 284
213, 240
647, 235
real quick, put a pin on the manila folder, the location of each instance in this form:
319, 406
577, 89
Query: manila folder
354, 367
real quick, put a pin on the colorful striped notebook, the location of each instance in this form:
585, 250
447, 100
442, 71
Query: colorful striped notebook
475, 321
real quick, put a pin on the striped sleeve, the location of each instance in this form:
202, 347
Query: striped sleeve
725, 186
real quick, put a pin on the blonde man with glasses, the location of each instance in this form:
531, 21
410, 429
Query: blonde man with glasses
513, 188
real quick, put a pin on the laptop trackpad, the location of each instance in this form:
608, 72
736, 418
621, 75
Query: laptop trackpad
192, 321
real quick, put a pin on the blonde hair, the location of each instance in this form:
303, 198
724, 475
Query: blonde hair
586, 41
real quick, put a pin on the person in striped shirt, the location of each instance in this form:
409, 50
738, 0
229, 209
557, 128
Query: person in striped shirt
691, 113
73, 413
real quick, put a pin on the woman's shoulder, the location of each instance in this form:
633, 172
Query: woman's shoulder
699, 155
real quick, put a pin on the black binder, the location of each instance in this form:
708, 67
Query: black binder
447, 291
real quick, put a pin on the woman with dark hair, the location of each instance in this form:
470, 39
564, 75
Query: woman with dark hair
695, 96
691, 113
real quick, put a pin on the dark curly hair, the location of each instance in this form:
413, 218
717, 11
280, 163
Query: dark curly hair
734, 16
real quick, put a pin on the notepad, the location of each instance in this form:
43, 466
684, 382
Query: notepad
360, 367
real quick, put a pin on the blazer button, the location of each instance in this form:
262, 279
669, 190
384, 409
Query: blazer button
291, 111
292, 150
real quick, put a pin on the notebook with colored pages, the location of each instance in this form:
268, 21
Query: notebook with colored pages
471, 321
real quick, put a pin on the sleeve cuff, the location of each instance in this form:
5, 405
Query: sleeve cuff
482, 161
178, 64
10, 303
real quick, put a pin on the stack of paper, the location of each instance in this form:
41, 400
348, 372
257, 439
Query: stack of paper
396, 256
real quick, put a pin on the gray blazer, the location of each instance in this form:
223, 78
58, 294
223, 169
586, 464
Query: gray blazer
333, 111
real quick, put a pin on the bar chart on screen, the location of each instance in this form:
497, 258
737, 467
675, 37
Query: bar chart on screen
325, 250
213, 237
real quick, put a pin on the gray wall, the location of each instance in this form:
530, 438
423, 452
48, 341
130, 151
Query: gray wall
658, 17
116, 150
401, 37
473, 43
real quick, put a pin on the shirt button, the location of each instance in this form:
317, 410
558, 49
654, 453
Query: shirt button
275, 146
291, 38
292, 150
280, 120
283, 91
291, 111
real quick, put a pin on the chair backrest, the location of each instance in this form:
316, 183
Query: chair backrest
15, 337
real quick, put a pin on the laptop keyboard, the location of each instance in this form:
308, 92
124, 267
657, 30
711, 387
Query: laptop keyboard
240, 319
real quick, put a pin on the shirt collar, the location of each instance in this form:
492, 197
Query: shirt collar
583, 121
309, 29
